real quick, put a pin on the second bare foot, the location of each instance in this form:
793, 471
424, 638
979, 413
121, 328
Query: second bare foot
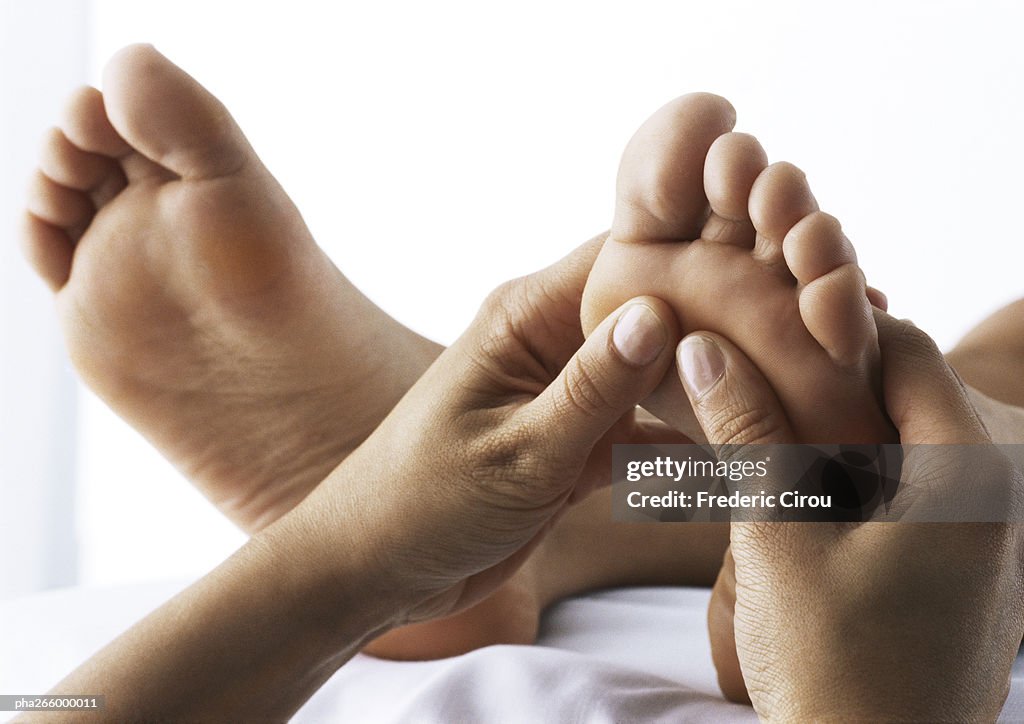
740, 248
194, 300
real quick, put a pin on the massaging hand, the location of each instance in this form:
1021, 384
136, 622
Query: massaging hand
873, 621
507, 427
428, 516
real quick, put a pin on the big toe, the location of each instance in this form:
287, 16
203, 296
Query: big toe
660, 188
169, 117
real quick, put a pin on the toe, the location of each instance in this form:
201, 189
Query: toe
168, 117
835, 302
89, 129
779, 199
48, 249
70, 166
836, 311
87, 126
734, 162
660, 188
815, 246
58, 205
878, 299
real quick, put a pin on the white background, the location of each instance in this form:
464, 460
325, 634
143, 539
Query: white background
437, 149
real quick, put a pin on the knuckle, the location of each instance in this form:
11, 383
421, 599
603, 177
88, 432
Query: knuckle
517, 300
915, 344
514, 470
514, 451
494, 325
738, 424
497, 456
583, 392
500, 298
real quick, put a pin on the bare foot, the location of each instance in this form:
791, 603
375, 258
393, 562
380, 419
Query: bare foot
510, 615
990, 359
195, 301
740, 248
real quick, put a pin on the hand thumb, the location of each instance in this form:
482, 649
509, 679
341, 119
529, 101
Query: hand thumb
618, 365
731, 399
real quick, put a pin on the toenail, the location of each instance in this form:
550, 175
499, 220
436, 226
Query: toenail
639, 335
701, 364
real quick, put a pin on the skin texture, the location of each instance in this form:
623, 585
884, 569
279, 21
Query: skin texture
988, 358
197, 305
739, 247
923, 620
584, 551
510, 425
194, 300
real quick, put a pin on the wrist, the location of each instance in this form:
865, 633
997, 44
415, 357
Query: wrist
329, 572
253, 639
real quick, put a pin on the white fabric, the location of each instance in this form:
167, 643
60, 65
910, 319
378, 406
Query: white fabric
627, 655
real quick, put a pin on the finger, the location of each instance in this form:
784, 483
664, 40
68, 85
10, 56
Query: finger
878, 299
923, 396
617, 366
565, 279
722, 632
731, 399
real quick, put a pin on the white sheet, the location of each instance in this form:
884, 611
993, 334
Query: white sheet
637, 654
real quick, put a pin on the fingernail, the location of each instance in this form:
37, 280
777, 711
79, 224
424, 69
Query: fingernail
701, 364
639, 335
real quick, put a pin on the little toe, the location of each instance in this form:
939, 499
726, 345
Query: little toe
70, 166
58, 205
836, 311
815, 246
660, 187
734, 162
48, 250
169, 117
779, 198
